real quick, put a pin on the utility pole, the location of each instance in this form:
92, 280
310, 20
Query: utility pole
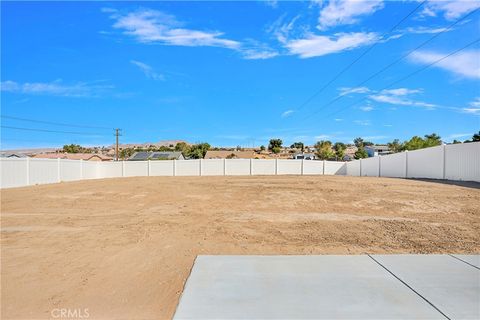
117, 134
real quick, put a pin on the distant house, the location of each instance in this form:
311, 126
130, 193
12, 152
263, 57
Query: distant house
226, 154
12, 155
74, 156
379, 150
156, 155
305, 156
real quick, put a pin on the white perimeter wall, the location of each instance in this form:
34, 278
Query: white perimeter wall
452, 162
29, 171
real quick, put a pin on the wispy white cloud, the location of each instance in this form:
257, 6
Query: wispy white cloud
323, 137
152, 26
362, 122
338, 119
287, 113
341, 12
458, 135
475, 103
148, 70
400, 96
450, 9
465, 64
319, 45
366, 108
375, 137
271, 3
56, 88
474, 111
346, 91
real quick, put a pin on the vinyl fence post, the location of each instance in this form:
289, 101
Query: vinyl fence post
200, 163
276, 166
174, 167
58, 170
250, 166
444, 151
28, 171
379, 166
323, 169
303, 163
81, 169
148, 168
360, 167
224, 167
123, 168
406, 164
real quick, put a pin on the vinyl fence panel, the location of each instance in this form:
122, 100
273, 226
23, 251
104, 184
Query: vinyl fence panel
394, 165
312, 167
370, 167
213, 167
162, 168
44, 171
91, 169
14, 172
237, 167
334, 168
426, 163
187, 168
289, 166
462, 161
70, 170
110, 169
353, 168
263, 167
135, 168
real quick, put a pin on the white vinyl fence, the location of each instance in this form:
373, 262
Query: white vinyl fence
451, 162
18, 172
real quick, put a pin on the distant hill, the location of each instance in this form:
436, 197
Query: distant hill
161, 143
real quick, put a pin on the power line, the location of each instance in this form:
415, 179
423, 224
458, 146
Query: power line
53, 123
357, 59
53, 131
410, 75
393, 63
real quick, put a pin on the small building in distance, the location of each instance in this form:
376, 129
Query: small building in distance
12, 155
74, 156
378, 150
156, 155
305, 156
230, 154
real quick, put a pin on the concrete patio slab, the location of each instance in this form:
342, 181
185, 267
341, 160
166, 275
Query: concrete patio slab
306, 287
473, 259
448, 283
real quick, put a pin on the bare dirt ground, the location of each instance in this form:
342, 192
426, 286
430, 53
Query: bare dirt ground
123, 248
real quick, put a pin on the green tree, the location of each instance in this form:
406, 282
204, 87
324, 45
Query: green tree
361, 153
324, 150
339, 148
455, 141
358, 142
395, 146
182, 147
198, 151
275, 143
75, 148
276, 150
476, 136
432, 140
262, 148
298, 145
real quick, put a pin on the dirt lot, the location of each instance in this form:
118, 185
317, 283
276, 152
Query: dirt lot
123, 248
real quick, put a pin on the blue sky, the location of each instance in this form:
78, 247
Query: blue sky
236, 73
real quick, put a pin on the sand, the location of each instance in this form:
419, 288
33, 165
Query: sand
123, 248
